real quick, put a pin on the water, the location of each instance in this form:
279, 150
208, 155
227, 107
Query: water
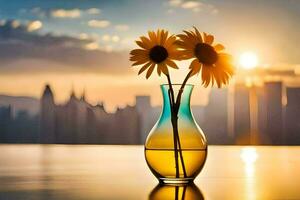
120, 172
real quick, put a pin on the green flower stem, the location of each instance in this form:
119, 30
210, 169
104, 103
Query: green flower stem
174, 119
178, 100
171, 99
175, 126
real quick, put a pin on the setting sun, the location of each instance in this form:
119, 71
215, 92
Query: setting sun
248, 60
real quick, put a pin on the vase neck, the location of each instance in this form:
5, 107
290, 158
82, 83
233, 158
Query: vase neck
184, 108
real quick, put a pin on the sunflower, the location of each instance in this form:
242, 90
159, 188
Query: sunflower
158, 49
215, 66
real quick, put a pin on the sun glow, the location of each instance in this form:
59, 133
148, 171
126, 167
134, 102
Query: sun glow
248, 60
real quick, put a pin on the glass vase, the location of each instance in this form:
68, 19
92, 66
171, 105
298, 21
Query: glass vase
176, 148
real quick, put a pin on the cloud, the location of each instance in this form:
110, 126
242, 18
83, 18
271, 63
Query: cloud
93, 11
191, 5
71, 54
194, 6
99, 23
106, 38
175, 3
63, 13
122, 27
34, 25
92, 46
15, 24
115, 38
83, 36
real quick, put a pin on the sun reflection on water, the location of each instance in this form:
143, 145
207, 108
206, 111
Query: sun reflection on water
249, 157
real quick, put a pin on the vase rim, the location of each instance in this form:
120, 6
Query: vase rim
177, 84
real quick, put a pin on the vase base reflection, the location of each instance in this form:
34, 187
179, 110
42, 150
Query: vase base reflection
176, 192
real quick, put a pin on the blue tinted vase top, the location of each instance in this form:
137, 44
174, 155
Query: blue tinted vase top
176, 157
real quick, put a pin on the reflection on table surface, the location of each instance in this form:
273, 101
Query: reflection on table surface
120, 172
176, 192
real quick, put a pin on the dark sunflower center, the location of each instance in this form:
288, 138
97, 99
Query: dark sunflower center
206, 54
158, 54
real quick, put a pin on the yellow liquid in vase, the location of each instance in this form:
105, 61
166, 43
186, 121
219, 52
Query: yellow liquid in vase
162, 162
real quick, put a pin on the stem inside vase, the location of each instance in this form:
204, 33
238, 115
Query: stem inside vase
175, 105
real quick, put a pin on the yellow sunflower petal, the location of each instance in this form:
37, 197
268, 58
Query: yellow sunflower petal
158, 36
144, 68
170, 41
190, 40
225, 59
141, 44
137, 57
199, 37
195, 66
225, 62
209, 39
171, 64
206, 76
152, 37
191, 36
175, 55
138, 52
148, 43
180, 43
164, 69
158, 69
188, 54
150, 70
219, 47
140, 62
217, 76
226, 67
164, 36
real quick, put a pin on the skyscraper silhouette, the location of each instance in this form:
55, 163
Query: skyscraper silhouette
241, 114
292, 125
145, 110
274, 120
47, 117
5, 121
215, 124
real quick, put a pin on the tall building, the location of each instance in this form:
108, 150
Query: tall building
126, 126
274, 115
292, 121
144, 110
262, 138
47, 117
215, 124
241, 114
5, 122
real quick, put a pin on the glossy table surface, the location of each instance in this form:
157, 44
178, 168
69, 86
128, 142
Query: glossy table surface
120, 172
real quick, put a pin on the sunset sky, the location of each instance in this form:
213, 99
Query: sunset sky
85, 43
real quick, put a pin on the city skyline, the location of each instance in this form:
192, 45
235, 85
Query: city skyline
246, 115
